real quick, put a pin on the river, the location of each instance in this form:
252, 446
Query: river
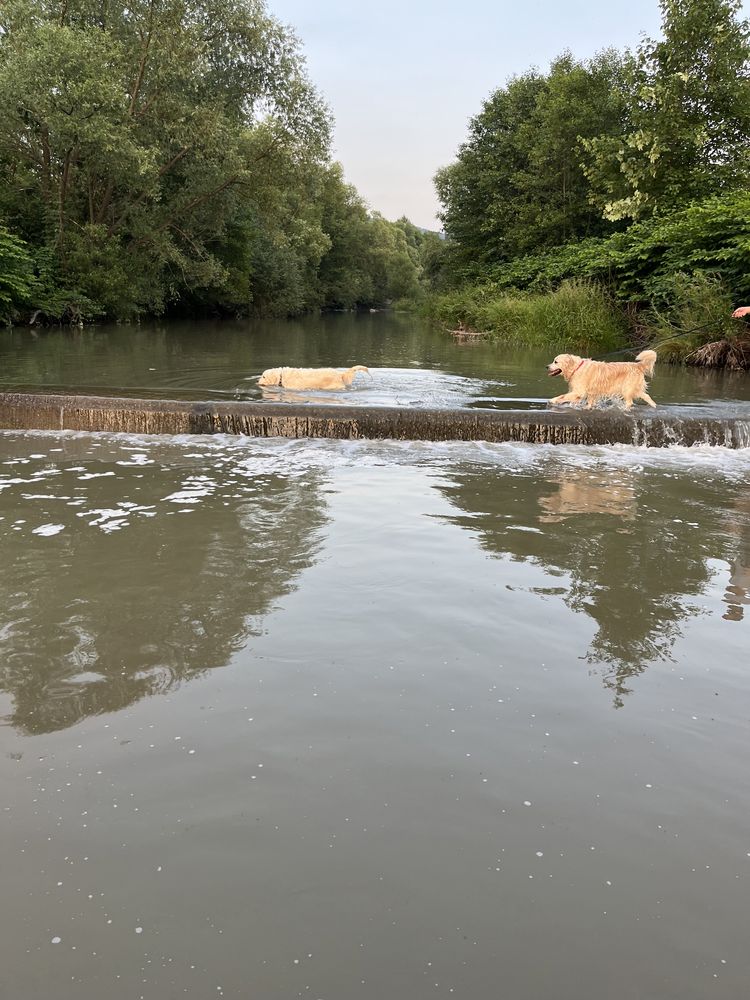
368, 719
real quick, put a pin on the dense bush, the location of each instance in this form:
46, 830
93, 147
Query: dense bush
712, 236
693, 310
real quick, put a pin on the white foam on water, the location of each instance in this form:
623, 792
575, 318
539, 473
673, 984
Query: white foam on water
414, 387
195, 488
297, 457
138, 458
106, 519
44, 496
48, 529
187, 496
294, 457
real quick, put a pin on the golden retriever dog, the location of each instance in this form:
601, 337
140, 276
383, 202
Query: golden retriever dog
597, 380
310, 378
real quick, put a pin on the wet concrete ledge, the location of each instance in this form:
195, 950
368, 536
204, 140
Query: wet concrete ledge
660, 428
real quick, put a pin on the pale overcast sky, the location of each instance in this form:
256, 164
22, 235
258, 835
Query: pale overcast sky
403, 77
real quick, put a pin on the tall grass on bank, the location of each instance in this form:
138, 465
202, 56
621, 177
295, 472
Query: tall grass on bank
693, 311
579, 316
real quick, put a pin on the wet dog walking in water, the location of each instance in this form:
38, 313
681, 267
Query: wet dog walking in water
597, 380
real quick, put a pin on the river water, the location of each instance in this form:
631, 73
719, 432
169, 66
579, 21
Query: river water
368, 719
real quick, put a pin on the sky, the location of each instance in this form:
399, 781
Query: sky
403, 78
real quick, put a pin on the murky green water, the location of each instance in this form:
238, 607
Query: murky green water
413, 364
337, 720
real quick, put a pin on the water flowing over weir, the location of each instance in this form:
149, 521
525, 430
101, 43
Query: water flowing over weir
666, 426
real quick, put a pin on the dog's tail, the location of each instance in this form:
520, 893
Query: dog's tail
359, 368
647, 360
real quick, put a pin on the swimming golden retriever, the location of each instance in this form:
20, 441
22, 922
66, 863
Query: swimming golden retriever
596, 380
310, 378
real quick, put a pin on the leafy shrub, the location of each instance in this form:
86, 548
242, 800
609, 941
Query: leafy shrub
691, 310
711, 236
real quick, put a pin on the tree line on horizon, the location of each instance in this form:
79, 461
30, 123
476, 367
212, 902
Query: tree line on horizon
164, 156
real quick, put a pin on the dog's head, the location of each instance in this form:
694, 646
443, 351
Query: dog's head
563, 364
271, 376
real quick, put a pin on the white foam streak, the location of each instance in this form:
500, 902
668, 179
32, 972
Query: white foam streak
48, 530
250, 457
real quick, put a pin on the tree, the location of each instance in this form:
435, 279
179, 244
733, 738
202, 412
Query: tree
394, 262
688, 129
479, 191
344, 276
131, 132
16, 274
579, 99
518, 183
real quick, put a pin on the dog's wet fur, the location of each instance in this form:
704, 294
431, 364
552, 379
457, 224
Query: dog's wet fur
595, 381
310, 378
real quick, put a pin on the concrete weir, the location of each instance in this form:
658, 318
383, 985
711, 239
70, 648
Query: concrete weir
660, 428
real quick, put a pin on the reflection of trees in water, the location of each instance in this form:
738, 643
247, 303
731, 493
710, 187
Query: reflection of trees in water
97, 621
632, 569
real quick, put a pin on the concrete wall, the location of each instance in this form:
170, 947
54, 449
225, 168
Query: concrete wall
264, 419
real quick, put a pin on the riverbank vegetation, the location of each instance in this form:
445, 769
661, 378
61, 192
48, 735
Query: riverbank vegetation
160, 156
163, 157
623, 180
578, 313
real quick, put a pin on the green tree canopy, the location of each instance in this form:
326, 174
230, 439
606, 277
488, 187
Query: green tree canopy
164, 154
16, 273
130, 133
518, 183
687, 133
